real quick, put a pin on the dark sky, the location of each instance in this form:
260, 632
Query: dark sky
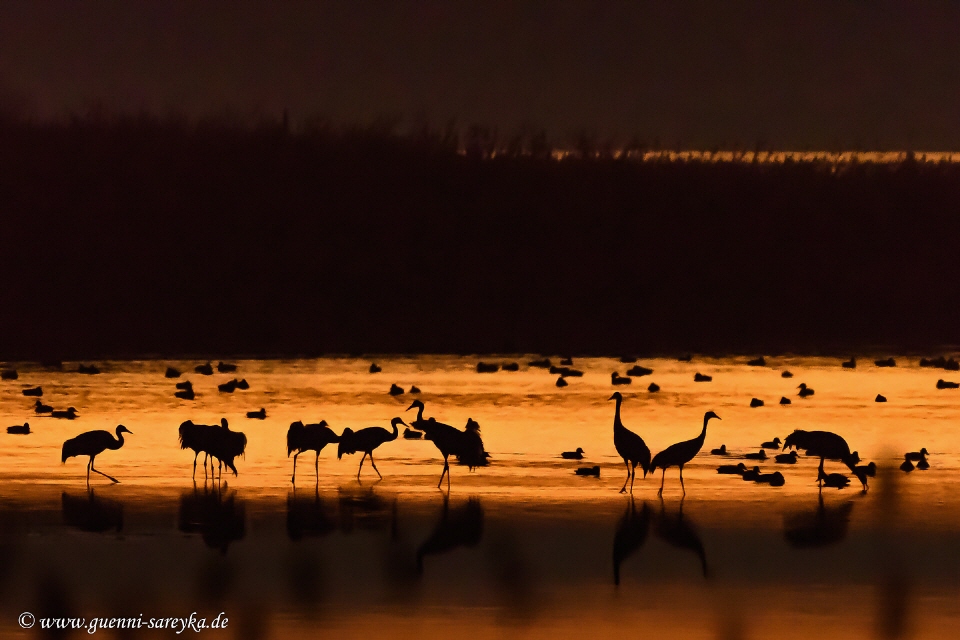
693, 74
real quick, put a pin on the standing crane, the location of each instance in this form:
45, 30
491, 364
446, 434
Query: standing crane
681, 453
309, 437
449, 441
93, 443
630, 446
367, 440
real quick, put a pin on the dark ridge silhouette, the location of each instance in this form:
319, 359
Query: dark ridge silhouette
484, 367
880, 398
172, 373
786, 458
699, 377
757, 362
257, 415
223, 367
39, 408
204, 369
786, 374
760, 455
68, 414
566, 372
561, 382
309, 517
849, 364
593, 471
721, 451
9, 374
943, 384
629, 445
617, 379
681, 533
543, 363
823, 444
466, 444
805, 391
511, 366
366, 440
889, 362
573, 455
19, 429
756, 402
460, 526
653, 388
33, 392
732, 469
639, 371
220, 520
819, 527
772, 444
785, 400
89, 513
631, 533
91, 370
92, 444
375, 368
396, 390
677, 455
414, 390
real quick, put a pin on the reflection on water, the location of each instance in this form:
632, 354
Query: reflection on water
215, 513
630, 536
818, 527
461, 526
364, 510
87, 512
680, 532
309, 515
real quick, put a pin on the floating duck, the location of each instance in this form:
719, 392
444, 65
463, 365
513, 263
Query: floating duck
186, 384
19, 429
69, 414
699, 377
786, 458
849, 364
628, 359
834, 480
757, 362
786, 374
39, 407
561, 382
945, 384
374, 368
685, 358
543, 363
90, 370
880, 398
204, 369
589, 471
756, 402
638, 371
510, 366
760, 455
805, 391
257, 415
243, 385
567, 372
916, 455
396, 390
653, 388
889, 362
227, 387
752, 474
617, 379
35, 392
414, 389
223, 367
573, 455
772, 444
185, 394
9, 374
731, 469
774, 479
171, 373
722, 451
785, 400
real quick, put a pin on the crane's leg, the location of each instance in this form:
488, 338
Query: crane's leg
361, 465
820, 474
294, 478
663, 477
681, 481
194, 476
101, 472
633, 476
316, 466
624, 488
446, 471
89, 464
375, 466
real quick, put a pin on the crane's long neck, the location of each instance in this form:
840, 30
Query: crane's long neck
420, 413
616, 417
119, 442
703, 432
396, 430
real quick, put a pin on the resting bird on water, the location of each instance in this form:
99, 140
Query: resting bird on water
630, 446
93, 443
367, 440
681, 453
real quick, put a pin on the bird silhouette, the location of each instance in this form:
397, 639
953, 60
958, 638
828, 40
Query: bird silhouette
630, 535
849, 364
916, 455
680, 453
945, 384
756, 402
617, 379
543, 363
257, 415
561, 382
638, 371
786, 458
593, 471
757, 362
825, 445
9, 374
510, 366
772, 444
833, 480
889, 362
880, 398
69, 414
204, 369
458, 527
679, 532
172, 373
751, 475
448, 440
760, 455
92, 444
396, 390
90, 370
805, 391
722, 451
774, 479
375, 368
309, 437
487, 367
785, 400
630, 446
573, 455
228, 445
39, 408
185, 391
699, 377
19, 429
731, 469
223, 367
200, 438
367, 440
35, 392
863, 472
653, 388
786, 374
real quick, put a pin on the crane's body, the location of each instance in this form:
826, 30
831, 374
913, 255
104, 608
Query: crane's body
824, 444
681, 453
309, 437
630, 446
92, 444
367, 440
449, 440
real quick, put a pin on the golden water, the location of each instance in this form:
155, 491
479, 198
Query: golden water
339, 556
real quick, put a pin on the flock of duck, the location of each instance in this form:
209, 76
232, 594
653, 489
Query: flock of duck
220, 443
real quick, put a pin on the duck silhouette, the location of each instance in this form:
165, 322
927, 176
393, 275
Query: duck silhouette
760, 455
862, 472
756, 402
786, 374
171, 373
834, 480
33, 392
880, 398
849, 364
699, 377
510, 366
257, 415
561, 382
638, 371
396, 390
573, 455
653, 388
375, 368
722, 451
19, 429
69, 414
204, 369
757, 362
916, 455
487, 367
786, 458
805, 391
39, 408
785, 400
772, 444
223, 367
617, 379
732, 469
944, 384
889, 362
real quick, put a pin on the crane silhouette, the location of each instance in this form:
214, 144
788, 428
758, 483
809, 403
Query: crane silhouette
227, 445
630, 446
449, 441
309, 437
200, 438
826, 445
680, 453
367, 440
93, 443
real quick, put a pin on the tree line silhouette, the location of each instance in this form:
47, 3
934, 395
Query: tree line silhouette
146, 235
